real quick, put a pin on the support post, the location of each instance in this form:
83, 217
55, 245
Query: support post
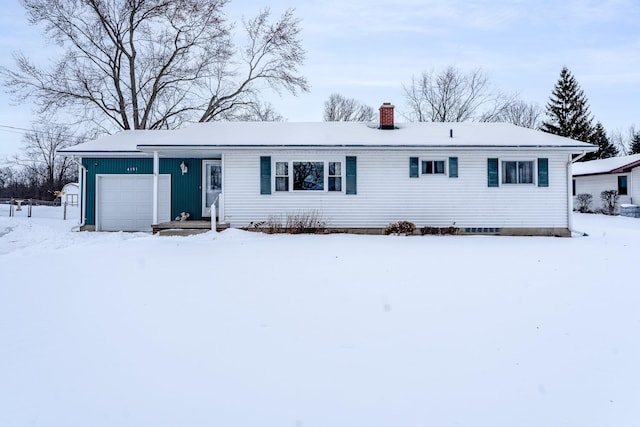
214, 222
156, 172
11, 207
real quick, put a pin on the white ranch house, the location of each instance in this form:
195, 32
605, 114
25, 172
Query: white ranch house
479, 177
615, 173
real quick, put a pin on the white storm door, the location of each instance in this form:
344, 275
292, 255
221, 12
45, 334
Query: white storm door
211, 184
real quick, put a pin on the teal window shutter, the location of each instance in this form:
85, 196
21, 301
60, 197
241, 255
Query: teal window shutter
543, 172
351, 174
492, 172
413, 167
265, 175
453, 167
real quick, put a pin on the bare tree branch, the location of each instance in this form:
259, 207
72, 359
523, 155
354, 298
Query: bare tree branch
271, 56
340, 109
516, 112
41, 162
148, 64
450, 96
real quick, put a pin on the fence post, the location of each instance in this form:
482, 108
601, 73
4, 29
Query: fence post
64, 216
29, 210
11, 207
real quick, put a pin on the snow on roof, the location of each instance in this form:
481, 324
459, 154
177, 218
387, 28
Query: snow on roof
609, 165
327, 134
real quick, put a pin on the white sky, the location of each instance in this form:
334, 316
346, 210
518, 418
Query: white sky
368, 49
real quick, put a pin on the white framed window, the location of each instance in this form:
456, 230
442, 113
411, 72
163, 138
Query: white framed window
335, 176
282, 176
432, 167
308, 175
518, 171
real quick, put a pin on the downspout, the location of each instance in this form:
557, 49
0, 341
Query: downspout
82, 178
570, 194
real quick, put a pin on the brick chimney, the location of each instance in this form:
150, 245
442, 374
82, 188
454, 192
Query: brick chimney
386, 116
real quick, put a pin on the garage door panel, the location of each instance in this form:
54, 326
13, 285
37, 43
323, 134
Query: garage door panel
125, 202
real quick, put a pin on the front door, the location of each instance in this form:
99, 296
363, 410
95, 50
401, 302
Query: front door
211, 184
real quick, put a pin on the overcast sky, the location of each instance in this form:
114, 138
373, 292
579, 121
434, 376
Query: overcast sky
368, 49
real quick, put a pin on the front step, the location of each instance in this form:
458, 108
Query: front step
185, 228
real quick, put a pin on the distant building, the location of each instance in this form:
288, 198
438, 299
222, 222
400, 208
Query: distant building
615, 173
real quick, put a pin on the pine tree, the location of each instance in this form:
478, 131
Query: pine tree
634, 145
605, 148
568, 110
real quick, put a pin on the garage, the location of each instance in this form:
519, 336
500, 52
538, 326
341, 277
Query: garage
125, 202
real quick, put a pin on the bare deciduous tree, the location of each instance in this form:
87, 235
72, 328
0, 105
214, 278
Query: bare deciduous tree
255, 111
451, 96
151, 64
42, 159
340, 109
519, 113
634, 141
44, 168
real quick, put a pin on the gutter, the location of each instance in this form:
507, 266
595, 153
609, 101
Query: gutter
570, 195
147, 148
82, 178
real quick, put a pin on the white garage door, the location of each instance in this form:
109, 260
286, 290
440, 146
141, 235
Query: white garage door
125, 202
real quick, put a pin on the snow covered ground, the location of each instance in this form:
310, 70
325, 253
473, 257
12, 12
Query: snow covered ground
252, 330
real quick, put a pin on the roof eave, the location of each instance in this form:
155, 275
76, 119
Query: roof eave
103, 153
151, 148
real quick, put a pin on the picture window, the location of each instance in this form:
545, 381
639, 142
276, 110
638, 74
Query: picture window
517, 172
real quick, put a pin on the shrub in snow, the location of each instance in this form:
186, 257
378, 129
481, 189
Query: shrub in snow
272, 225
402, 227
609, 201
305, 222
584, 202
292, 223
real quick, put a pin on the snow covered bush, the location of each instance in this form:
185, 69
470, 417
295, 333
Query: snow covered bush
402, 227
584, 202
609, 201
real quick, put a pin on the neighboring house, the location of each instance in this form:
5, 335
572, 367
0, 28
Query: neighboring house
480, 177
615, 173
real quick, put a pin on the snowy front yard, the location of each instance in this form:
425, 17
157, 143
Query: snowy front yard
252, 330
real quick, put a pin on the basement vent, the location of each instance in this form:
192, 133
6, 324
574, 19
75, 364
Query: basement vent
482, 230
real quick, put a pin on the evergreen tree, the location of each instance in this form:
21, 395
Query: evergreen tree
605, 148
634, 145
568, 110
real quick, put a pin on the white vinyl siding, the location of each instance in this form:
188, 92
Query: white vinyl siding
386, 193
634, 185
